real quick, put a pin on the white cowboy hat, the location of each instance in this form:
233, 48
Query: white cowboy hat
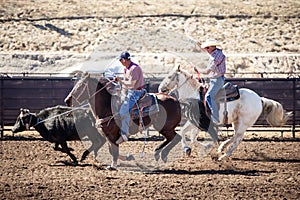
210, 43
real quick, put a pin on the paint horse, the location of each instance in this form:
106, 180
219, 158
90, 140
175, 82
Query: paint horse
242, 112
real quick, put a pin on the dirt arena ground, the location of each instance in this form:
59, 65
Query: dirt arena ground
262, 167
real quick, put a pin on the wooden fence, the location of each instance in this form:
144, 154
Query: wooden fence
32, 93
37, 93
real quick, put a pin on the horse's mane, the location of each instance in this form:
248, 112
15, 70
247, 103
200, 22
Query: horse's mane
194, 82
103, 81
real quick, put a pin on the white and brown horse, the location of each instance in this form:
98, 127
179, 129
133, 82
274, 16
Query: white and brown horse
242, 113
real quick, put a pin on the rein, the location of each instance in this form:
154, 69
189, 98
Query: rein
88, 91
99, 122
179, 86
187, 78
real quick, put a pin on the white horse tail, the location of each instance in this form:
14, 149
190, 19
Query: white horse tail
274, 112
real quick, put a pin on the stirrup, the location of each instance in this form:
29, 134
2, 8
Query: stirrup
122, 138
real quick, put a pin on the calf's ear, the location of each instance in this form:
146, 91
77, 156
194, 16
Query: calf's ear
24, 110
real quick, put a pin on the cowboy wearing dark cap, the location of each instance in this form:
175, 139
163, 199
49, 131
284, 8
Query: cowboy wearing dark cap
134, 82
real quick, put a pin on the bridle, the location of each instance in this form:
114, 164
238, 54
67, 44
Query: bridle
177, 86
86, 88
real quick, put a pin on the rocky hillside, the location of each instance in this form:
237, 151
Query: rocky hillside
50, 36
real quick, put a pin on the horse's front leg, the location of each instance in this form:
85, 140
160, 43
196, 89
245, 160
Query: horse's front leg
97, 143
114, 152
165, 152
188, 126
224, 145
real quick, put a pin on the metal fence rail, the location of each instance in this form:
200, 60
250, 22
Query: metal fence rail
37, 93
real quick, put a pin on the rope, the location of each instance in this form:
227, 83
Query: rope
143, 126
77, 108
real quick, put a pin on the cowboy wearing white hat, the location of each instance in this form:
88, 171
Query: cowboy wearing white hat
216, 70
208, 43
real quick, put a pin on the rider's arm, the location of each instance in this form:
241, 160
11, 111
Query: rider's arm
199, 45
204, 71
129, 83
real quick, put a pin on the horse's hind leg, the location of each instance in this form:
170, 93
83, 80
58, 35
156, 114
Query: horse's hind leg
165, 152
114, 152
159, 148
235, 140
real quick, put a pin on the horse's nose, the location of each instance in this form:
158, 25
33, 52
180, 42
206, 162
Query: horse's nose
163, 90
68, 101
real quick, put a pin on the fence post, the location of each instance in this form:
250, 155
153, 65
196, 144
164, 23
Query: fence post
294, 108
1, 108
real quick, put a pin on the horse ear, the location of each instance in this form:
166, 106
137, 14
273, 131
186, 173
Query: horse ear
178, 68
84, 74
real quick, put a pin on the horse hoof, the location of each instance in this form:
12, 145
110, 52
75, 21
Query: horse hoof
112, 168
130, 157
156, 156
187, 151
221, 158
164, 159
220, 150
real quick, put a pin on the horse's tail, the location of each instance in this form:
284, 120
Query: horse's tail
274, 112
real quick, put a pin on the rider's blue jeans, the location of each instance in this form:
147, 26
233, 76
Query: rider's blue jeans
215, 85
131, 98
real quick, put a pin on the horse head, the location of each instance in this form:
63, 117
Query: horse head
23, 122
83, 91
181, 80
170, 83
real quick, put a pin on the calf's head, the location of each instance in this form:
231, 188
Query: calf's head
23, 121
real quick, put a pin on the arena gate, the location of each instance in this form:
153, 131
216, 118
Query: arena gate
37, 93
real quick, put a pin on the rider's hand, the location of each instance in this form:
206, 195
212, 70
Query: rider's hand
199, 44
116, 79
196, 70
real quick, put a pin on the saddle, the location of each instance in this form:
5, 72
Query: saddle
232, 92
146, 105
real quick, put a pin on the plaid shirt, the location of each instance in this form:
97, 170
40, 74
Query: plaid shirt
217, 64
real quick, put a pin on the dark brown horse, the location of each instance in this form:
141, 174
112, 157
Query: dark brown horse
96, 94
